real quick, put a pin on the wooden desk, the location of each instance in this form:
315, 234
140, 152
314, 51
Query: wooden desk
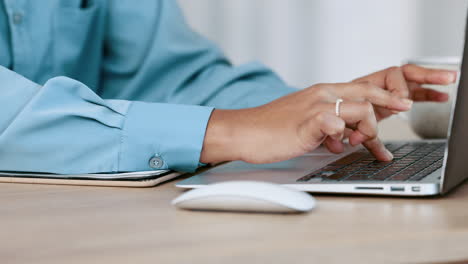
66, 224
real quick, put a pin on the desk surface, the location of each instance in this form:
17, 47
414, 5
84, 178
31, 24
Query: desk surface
67, 224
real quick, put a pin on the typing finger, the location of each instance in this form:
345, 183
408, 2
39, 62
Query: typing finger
334, 145
321, 126
414, 73
378, 149
360, 91
361, 117
422, 94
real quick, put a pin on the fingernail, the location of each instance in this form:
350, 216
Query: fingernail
388, 154
395, 112
407, 102
451, 76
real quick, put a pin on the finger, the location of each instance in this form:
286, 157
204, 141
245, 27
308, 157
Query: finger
374, 145
331, 126
422, 75
377, 96
396, 83
347, 132
365, 128
333, 145
378, 149
384, 113
321, 126
359, 116
421, 94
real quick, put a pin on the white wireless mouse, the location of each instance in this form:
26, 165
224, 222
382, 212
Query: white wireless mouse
246, 196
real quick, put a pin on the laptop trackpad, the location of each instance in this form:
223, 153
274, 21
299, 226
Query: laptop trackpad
280, 172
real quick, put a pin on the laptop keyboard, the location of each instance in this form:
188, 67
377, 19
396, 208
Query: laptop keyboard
411, 162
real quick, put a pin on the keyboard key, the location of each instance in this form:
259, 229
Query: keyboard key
426, 171
350, 158
357, 177
424, 164
412, 161
336, 177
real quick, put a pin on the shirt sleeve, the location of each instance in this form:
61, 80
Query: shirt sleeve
170, 62
64, 127
156, 85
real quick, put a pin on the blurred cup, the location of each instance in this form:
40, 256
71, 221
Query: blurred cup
430, 120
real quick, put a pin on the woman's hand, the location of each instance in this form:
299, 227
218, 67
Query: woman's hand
298, 123
406, 81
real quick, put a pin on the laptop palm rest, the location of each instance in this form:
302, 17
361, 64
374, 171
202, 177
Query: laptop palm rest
281, 172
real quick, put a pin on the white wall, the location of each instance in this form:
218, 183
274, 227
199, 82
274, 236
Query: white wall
442, 24
311, 41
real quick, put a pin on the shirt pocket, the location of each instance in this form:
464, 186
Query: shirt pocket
78, 32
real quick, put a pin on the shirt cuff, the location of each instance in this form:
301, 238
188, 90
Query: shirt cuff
163, 136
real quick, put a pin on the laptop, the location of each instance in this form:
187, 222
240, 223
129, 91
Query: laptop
419, 168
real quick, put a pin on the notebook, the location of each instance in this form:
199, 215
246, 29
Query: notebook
124, 179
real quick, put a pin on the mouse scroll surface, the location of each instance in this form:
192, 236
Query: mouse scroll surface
246, 197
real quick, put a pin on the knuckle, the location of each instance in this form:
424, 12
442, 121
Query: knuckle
318, 86
393, 68
407, 65
373, 133
365, 84
320, 117
322, 93
340, 126
329, 123
335, 127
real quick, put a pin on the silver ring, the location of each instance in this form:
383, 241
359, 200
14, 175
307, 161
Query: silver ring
337, 106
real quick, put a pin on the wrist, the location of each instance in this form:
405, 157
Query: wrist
220, 138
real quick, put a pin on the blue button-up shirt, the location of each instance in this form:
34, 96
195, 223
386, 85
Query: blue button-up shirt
106, 86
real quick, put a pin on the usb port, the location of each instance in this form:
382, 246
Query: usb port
416, 189
397, 189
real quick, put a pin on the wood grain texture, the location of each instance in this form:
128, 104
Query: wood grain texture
69, 224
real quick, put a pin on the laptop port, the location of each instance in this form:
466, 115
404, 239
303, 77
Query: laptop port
397, 189
368, 188
416, 189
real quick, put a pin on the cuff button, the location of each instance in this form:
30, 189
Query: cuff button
156, 162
